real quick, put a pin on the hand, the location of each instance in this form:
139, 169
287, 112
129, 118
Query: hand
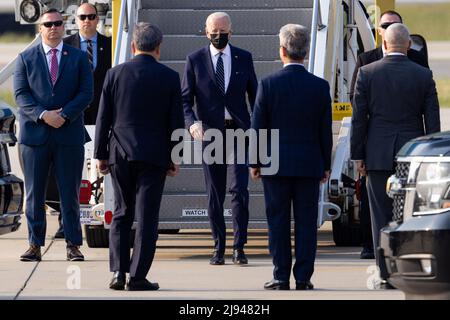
196, 131
103, 166
255, 173
361, 167
53, 118
173, 170
326, 176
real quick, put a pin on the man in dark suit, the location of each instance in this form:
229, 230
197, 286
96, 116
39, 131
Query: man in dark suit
298, 104
217, 79
98, 48
53, 85
395, 101
386, 19
139, 109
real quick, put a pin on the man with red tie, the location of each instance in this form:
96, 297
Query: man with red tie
53, 86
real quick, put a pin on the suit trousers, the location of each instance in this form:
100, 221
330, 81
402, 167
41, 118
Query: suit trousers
67, 162
216, 181
280, 194
380, 210
138, 189
366, 226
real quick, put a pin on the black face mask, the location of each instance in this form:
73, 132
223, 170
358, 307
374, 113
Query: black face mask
219, 40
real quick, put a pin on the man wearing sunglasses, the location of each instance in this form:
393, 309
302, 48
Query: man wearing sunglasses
53, 86
98, 48
387, 18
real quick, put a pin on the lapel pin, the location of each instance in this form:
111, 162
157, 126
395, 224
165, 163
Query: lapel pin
65, 53
101, 48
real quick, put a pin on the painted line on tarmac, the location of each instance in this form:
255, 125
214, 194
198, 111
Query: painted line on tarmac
32, 271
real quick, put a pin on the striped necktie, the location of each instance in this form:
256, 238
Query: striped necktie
90, 53
54, 65
220, 74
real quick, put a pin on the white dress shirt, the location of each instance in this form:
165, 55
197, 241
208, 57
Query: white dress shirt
396, 54
226, 57
48, 56
293, 64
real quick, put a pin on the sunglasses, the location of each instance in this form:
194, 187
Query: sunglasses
91, 17
385, 25
50, 24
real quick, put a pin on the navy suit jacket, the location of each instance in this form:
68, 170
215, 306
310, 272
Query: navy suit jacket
298, 104
34, 93
139, 109
199, 87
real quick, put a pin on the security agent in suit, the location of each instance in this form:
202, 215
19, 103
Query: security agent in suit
386, 19
298, 104
53, 85
139, 109
395, 101
217, 79
98, 48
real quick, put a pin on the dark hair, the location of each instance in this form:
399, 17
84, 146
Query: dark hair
51, 10
147, 37
393, 13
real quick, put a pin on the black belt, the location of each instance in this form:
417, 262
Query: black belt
229, 123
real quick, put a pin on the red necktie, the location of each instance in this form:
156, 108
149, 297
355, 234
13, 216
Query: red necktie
53, 65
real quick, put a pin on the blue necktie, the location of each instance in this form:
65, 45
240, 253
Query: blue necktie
220, 74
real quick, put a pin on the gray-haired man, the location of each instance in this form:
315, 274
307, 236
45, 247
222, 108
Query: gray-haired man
139, 109
298, 104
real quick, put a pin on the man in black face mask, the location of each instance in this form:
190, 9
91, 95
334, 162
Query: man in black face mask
218, 78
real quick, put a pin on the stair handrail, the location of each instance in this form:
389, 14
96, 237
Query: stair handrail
316, 25
9, 69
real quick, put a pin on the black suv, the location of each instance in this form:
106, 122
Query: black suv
416, 245
11, 187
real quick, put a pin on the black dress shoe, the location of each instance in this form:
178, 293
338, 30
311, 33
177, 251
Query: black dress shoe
118, 281
32, 254
74, 254
277, 285
141, 285
367, 253
303, 285
384, 285
239, 257
217, 259
59, 233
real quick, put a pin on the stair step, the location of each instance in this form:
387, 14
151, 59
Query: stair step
245, 22
192, 180
225, 4
263, 48
172, 207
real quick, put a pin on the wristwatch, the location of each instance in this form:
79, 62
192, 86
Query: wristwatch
62, 114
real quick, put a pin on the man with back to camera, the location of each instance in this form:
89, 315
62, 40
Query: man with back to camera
53, 86
217, 80
139, 109
298, 104
395, 101
386, 19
